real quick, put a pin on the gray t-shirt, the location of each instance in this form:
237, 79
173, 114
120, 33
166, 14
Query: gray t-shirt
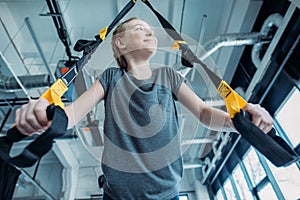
142, 151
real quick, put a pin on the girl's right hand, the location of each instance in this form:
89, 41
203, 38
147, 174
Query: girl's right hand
32, 117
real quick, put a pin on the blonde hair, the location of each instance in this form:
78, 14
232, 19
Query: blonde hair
117, 33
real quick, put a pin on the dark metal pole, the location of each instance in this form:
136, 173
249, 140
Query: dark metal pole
5, 119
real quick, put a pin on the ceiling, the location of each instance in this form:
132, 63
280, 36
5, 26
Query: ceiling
30, 46
30, 42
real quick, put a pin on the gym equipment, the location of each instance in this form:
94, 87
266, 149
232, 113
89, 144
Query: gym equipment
272, 146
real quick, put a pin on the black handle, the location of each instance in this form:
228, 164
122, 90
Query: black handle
272, 146
42, 144
247, 115
14, 135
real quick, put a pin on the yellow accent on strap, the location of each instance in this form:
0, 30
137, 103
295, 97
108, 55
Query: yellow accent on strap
134, 1
103, 33
234, 102
176, 44
55, 92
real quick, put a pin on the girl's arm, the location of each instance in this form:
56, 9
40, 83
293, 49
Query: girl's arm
84, 103
32, 118
217, 119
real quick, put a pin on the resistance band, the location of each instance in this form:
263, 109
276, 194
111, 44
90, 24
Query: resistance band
272, 146
43, 143
234, 103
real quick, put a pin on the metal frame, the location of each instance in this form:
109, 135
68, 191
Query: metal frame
37, 44
14, 75
266, 59
246, 174
282, 133
259, 74
248, 180
270, 177
235, 190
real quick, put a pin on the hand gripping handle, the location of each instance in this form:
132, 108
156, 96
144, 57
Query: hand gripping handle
272, 146
42, 144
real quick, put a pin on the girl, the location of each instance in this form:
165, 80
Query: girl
142, 157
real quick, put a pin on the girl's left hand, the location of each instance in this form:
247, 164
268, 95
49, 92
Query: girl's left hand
260, 117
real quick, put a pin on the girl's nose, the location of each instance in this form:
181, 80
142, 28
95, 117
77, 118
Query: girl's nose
149, 32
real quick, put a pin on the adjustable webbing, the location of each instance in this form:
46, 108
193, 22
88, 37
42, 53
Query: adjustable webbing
83, 45
42, 144
121, 14
166, 25
187, 54
179, 41
278, 151
234, 102
273, 147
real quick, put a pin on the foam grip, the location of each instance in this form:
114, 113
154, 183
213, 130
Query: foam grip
43, 143
272, 146
14, 135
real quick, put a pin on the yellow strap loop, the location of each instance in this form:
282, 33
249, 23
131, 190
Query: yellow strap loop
103, 32
234, 102
55, 92
176, 44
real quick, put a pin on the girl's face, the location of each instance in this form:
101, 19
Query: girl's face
138, 37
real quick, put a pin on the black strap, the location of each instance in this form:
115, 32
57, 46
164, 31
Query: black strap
40, 146
8, 179
188, 58
121, 14
84, 45
43, 143
273, 147
270, 145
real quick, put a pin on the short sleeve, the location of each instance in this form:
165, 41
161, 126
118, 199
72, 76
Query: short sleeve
107, 76
176, 80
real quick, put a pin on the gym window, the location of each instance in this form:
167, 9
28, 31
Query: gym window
219, 195
288, 116
288, 180
230, 194
267, 192
254, 167
287, 126
241, 183
254, 177
183, 197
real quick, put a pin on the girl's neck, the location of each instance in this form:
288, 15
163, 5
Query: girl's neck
140, 70
138, 64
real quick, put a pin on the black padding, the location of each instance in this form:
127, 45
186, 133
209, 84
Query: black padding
41, 145
272, 146
8, 179
13, 135
87, 45
83, 45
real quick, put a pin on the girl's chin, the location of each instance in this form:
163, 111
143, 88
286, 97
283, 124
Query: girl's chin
145, 51
151, 52
151, 49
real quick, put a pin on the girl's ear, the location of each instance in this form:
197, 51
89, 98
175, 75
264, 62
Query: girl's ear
119, 43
